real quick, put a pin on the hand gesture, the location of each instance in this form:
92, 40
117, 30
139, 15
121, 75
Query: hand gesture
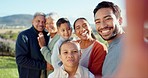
41, 40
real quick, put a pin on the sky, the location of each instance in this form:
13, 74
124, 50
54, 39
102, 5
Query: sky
71, 9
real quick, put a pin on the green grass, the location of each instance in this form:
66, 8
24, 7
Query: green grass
8, 68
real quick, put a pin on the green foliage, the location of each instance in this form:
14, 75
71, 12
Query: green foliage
9, 35
100, 38
7, 43
8, 48
8, 67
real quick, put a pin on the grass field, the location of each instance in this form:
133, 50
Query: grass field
8, 68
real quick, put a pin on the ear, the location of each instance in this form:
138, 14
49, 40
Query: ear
120, 20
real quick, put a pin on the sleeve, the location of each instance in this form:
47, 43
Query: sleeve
97, 58
55, 53
46, 52
51, 75
23, 54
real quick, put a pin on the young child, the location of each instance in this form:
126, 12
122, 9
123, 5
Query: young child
64, 31
69, 54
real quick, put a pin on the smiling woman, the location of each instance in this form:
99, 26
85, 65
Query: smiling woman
93, 51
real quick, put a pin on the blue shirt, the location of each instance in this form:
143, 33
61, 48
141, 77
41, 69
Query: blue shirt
112, 59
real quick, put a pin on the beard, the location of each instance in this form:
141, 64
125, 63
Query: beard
114, 34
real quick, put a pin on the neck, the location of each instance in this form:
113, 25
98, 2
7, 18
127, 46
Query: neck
87, 40
71, 71
86, 43
109, 41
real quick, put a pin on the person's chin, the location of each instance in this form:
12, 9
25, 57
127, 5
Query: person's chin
40, 30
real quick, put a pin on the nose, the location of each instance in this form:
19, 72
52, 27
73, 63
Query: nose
70, 55
103, 24
66, 32
41, 23
82, 29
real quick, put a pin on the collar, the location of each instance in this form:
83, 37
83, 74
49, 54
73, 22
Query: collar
77, 74
35, 31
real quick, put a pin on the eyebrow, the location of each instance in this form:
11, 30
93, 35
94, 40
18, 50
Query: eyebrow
104, 17
107, 16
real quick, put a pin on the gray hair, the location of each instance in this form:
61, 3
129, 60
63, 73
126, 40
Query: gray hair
39, 14
53, 15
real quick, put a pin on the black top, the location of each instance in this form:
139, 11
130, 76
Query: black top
28, 56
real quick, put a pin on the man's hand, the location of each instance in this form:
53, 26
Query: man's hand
41, 40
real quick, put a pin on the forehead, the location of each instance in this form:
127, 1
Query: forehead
69, 46
49, 19
64, 26
41, 18
101, 13
81, 21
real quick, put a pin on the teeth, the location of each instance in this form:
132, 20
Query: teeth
83, 34
105, 31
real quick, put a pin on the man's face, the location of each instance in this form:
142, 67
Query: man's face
70, 54
51, 25
39, 23
107, 23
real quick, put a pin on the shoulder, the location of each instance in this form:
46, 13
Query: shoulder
55, 73
86, 72
99, 45
58, 42
51, 75
96, 42
25, 32
98, 49
56, 36
83, 68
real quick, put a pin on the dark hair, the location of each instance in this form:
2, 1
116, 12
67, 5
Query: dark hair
63, 20
107, 4
92, 35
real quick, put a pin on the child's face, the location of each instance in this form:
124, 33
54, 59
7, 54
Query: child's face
70, 54
64, 30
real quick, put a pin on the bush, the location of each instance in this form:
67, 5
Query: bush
7, 48
9, 35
